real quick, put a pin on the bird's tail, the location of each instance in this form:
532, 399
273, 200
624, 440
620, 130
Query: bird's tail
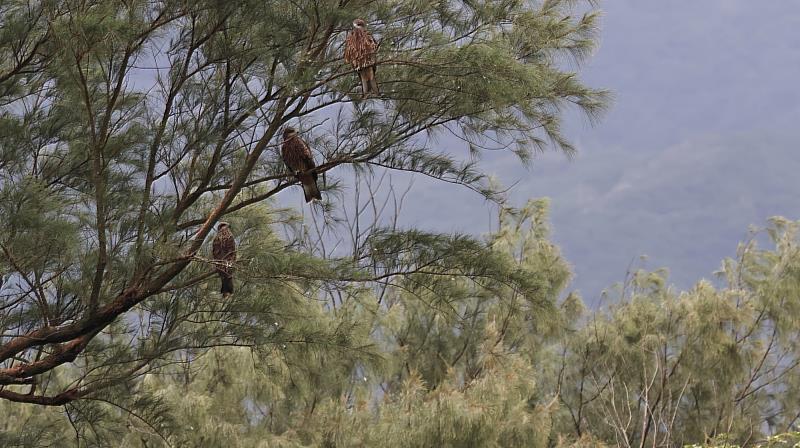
227, 284
373, 83
310, 188
365, 87
369, 86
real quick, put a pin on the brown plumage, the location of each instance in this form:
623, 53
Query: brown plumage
223, 250
359, 51
297, 156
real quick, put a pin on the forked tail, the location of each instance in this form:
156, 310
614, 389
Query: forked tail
227, 284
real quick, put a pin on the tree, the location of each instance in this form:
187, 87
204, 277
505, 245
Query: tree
662, 368
489, 356
129, 128
455, 365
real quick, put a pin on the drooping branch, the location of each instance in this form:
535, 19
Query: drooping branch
55, 400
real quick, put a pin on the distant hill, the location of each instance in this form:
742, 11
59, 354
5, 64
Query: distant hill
686, 207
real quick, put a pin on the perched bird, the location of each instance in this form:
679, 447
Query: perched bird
297, 156
359, 51
223, 250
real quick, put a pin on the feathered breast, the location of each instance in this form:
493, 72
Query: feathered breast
359, 49
296, 154
224, 248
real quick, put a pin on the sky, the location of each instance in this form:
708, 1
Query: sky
700, 144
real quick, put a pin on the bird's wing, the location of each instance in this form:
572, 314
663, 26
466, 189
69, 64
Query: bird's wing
230, 249
371, 46
308, 157
285, 153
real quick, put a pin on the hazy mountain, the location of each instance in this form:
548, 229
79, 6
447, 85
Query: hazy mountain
702, 142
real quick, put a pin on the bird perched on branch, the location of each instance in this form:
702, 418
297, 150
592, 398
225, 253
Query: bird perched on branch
223, 250
297, 156
359, 51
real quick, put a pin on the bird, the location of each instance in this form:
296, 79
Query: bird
223, 250
297, 156
359, 51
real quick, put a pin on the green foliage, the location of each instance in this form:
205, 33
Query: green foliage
679, 368
458, 353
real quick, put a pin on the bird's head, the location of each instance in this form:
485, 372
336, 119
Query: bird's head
359, 24
223, 225
288, 132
